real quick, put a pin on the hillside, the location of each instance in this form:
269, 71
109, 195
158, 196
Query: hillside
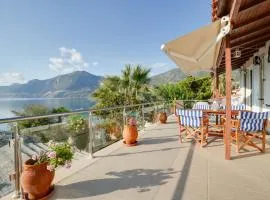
171, 76
176, 75
76, 84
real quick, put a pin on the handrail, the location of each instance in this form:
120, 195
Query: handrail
16, 119
17, 132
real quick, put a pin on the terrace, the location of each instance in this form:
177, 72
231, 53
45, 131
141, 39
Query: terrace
160, 167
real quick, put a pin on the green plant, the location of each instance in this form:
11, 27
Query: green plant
77, 124
131, 87
58, 154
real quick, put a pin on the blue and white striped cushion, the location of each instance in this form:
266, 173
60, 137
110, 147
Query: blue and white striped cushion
236, 107
189, 113
201, 106
190, 121
252, 121
253, 115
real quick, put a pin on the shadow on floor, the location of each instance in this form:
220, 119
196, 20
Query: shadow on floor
157, 140
161, 128
141, 152
180, 187
140, 179
249, 153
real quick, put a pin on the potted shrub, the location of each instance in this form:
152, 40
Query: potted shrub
78, 132
38, 172
162, 117
130, 133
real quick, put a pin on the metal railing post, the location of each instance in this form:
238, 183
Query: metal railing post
17, 164
91, 134
143, 116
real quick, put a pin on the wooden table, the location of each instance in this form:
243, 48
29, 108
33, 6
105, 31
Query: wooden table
219, 125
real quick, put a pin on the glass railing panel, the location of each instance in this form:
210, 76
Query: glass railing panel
107, 127
7, 159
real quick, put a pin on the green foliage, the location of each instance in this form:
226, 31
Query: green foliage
77, 124
63, 153
189, 88
60, 110
130, 88
59, 154
33, 110
37, 110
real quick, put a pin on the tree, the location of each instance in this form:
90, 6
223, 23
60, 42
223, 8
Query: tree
130, 88
33, 110
190, 88
37, 110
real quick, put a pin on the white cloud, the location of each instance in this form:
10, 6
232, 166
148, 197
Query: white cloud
95, 63
70, 60
9, 78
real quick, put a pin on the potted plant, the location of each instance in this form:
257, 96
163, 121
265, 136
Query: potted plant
130, 133
38, 172
78, 132
162, 117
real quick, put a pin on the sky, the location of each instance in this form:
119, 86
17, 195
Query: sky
46, 38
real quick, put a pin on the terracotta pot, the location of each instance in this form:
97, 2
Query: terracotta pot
162, 117
36, 180
130, 134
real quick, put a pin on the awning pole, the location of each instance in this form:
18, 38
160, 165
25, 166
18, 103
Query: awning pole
228, 98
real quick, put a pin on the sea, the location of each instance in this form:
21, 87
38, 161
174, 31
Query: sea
7, 105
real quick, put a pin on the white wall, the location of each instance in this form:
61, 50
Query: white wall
267, 80
263, 53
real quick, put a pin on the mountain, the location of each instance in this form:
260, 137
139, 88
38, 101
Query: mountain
176, 75
75, 84
171, 76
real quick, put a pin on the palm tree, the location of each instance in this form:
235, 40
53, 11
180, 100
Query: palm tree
140, 78
129, 88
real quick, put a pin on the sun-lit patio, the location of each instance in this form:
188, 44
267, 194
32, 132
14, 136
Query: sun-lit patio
160, 167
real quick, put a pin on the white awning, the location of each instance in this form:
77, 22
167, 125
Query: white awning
198, 50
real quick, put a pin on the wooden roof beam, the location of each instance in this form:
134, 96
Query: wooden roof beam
244, 57
243, 53
254, 32
261, 38
250, 4
235, 10
233, 15
260, 8
252, 36
251, 27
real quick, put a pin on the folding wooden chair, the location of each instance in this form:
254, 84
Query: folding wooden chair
194, 125
249, 128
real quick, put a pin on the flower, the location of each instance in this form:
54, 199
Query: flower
51, 154
68, 164
132, 122
50, 168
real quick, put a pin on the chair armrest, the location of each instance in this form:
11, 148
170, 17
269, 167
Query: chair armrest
235, 123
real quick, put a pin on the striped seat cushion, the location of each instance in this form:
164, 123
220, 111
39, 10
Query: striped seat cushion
201, 106
190, 118
189, 113
190, 121
236, 107
252, 121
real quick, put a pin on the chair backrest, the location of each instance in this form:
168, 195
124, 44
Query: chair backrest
237, 107
190, 117
201, 106
252, 121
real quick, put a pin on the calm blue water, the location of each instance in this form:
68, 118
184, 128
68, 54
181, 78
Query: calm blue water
7, 105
